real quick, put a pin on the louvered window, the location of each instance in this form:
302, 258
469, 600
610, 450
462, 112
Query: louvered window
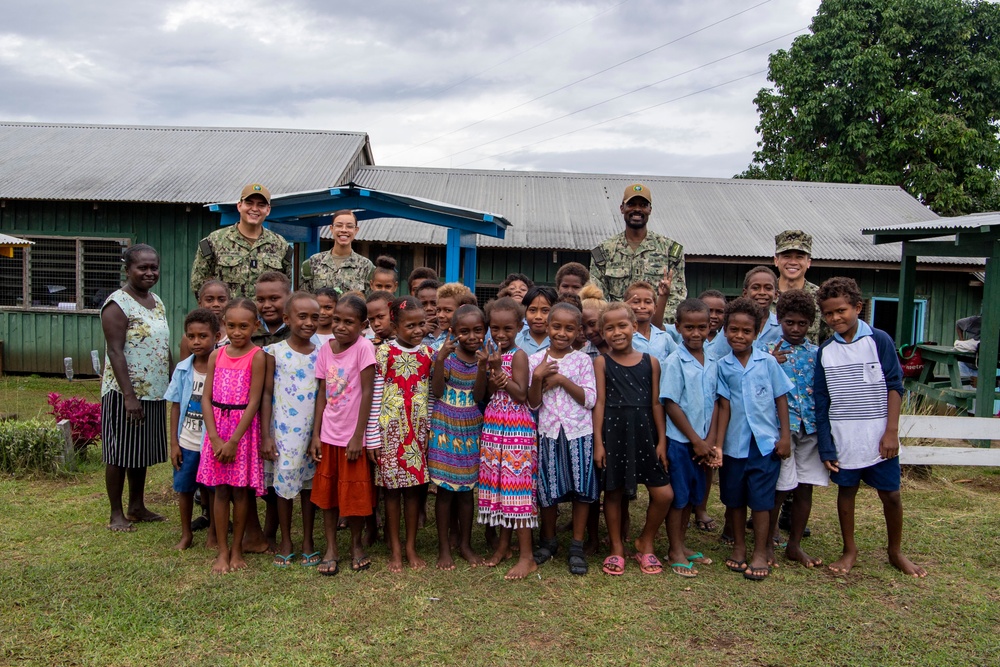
61, 273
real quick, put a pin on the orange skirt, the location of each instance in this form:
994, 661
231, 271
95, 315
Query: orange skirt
346, 485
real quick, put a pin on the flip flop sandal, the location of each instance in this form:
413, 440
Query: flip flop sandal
329, 572
736, 565
201, 523
577, 561
310, 560
614, 565
700, 558
757, 573
282, 561
685, 570
706, 526
359, 564
546, 550
727, 540
649, 563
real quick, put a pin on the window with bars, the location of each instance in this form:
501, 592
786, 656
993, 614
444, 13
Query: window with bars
62, 273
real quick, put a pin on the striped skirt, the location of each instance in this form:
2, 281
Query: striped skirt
508, 459
129, 444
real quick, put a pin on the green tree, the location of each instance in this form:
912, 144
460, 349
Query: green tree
900, 92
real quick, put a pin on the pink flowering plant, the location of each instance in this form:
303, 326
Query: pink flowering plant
84, 418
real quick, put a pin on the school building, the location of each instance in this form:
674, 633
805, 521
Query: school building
83, 192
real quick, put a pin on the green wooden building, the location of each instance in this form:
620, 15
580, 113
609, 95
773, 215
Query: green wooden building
81, 193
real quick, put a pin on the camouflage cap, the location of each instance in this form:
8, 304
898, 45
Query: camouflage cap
256, 189
793, 239
637, 190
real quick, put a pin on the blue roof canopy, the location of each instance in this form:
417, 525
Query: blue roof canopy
298, 217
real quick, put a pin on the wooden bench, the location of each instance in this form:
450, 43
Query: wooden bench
981, 429
950, 391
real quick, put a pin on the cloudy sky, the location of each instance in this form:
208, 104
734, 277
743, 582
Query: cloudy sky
618, 86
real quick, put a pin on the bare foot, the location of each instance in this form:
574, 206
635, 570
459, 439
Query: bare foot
415, 561
473, 558
498, 557
844, 564
796, 553
185, 543
221, 564
521, 569
143, 515
445, 562
906, 566
119, 524
257, 546
590, 547
395, 564
210, 541
237, 563
453, 540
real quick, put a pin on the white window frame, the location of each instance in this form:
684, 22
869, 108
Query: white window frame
919, 315
78, 297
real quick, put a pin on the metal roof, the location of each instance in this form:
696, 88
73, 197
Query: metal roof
729, 218
943, 225
194, 165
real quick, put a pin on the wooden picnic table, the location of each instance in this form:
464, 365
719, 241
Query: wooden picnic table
950, 391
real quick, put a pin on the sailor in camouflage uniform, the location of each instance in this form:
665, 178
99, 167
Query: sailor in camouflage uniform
237, 255
638, 254
792, 258
342, 269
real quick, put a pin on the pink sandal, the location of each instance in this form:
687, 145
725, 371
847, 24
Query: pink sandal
614, 565
649, 563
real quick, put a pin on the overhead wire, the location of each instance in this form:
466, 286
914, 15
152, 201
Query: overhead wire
616, 97
586, 78
510, 58
624, 115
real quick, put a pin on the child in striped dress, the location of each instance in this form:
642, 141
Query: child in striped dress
508, 449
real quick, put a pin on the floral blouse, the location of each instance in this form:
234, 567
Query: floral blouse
147, 348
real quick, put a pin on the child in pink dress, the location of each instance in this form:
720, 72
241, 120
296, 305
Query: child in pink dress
230, 403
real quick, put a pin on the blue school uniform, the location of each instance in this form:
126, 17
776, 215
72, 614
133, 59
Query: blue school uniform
524, 341
659, 344
693, 387
770, 334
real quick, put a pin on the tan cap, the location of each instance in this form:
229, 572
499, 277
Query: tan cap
256, 189
637, 190
793, 239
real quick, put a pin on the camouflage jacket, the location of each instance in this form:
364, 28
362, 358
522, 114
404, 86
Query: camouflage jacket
321, 271
234, 259
614, 266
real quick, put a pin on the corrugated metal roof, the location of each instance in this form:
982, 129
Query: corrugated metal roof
14, 242
710, 217
944, 225
194, 165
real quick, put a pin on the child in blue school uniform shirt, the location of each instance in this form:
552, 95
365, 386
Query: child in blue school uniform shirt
858, 391
688, 387
753, 415
641, 298
760, 285
534, 337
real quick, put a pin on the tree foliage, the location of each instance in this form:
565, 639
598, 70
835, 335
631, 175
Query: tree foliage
902, 92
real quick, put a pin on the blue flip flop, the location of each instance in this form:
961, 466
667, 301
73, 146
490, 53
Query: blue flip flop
282, 561
308, 559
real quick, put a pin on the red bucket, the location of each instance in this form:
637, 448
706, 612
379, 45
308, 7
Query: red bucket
910, 359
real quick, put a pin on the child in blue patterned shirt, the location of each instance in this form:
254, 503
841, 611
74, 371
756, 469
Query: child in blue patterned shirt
803, 469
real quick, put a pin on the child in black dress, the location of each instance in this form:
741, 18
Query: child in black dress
630, 442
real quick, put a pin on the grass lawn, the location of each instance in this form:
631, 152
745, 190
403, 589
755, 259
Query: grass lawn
76, 594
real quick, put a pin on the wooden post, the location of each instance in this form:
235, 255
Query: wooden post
988, 341
68, 459
907, 291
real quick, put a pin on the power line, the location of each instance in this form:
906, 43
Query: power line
616, 97
507, 60
586, 78
624, 115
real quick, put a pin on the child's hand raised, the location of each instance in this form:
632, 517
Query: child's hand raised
448, 346
781, 356
666, 282
482, 357
494, 355
546, 368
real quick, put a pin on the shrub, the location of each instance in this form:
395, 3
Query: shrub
32, 445
84, 418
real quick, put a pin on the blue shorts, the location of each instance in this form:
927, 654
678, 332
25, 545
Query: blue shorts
686, 476
749, 482
883, 476
184, 479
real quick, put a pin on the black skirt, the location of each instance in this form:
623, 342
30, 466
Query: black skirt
129, 444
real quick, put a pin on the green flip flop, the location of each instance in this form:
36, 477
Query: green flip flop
282, 561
